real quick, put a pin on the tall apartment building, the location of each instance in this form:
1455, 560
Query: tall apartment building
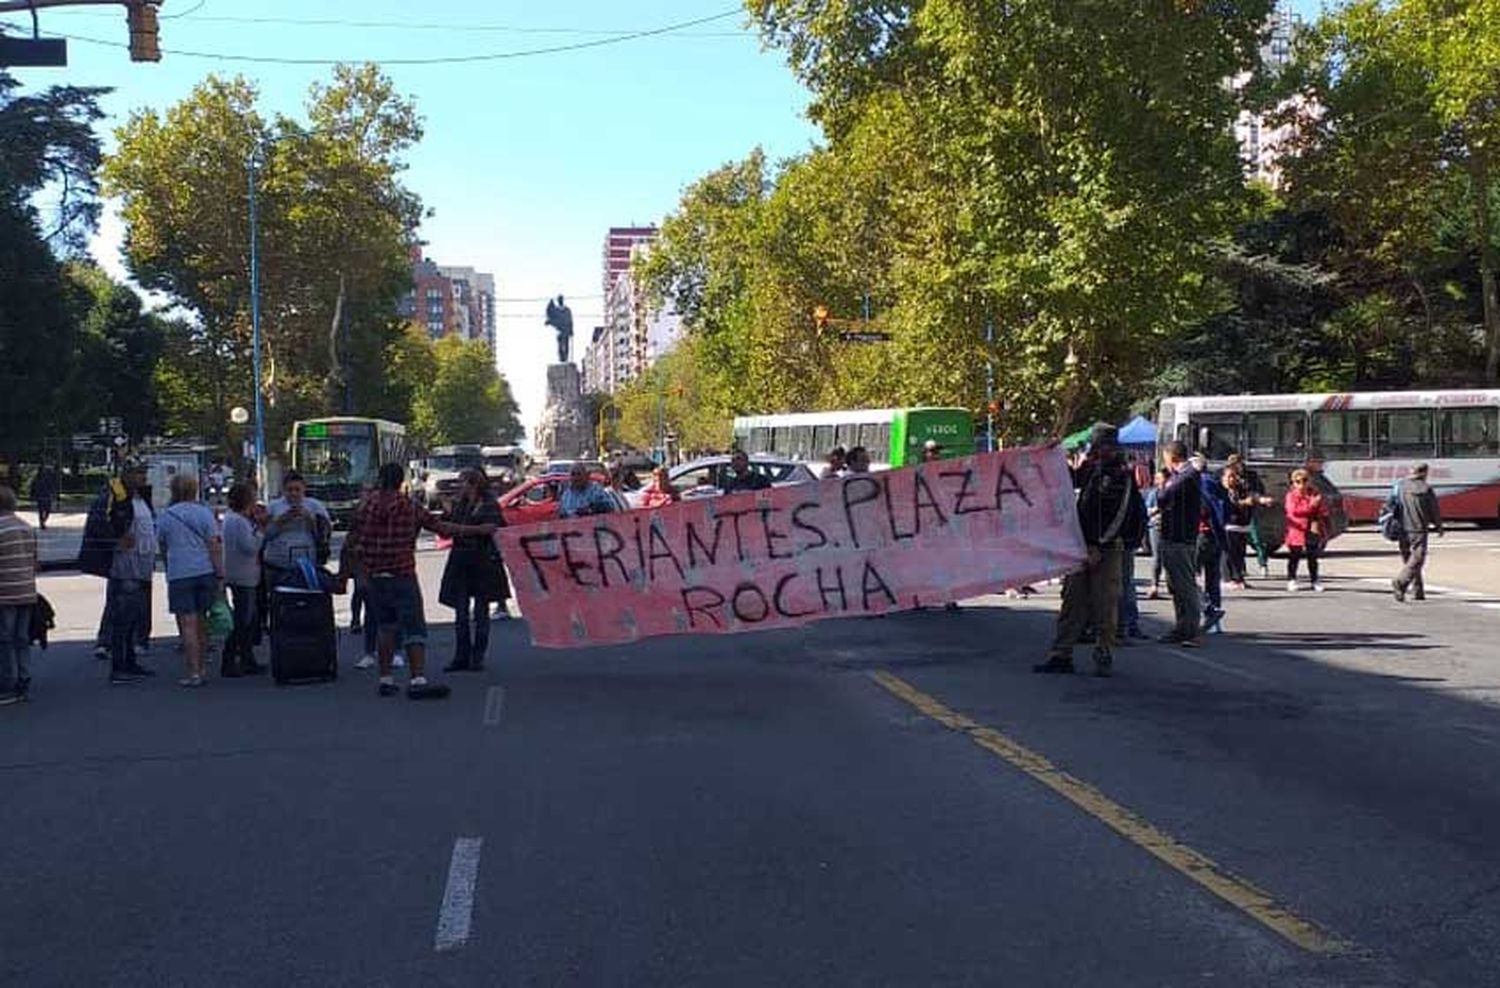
618, 243
450, 301
635, 333
1262, 140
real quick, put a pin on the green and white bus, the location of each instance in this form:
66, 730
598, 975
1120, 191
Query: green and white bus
894, 436
340, 457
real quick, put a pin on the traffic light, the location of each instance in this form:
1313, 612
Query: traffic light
820, 317
144, 29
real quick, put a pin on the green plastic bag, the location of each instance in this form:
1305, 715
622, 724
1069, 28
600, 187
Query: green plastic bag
220, 618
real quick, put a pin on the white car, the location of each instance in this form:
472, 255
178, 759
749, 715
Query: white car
705, 477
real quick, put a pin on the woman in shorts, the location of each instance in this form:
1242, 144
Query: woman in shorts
189, 535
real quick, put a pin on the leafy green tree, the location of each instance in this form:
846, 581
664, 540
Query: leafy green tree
119, 347
334, 225
465, 400
48, 143
1401, 155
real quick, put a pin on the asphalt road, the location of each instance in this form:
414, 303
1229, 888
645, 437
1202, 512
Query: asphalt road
1310, 800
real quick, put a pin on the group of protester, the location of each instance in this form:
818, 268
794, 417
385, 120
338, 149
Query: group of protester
1199, 527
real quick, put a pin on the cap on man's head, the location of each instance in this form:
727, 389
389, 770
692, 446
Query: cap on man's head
1419, 470
1103, 434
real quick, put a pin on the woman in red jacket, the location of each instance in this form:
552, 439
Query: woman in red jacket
1306, 527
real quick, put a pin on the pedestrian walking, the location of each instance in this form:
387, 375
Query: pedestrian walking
119, 544
1238, 521
474, 577
1211, 544
189, 536
1306, 528
858, 460
386, 526
1416, 507
44, 490
299, 527
243, 534
1153, 530
1112, 517
1180, 500
18, 562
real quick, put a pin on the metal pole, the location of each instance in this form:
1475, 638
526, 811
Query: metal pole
989, 385
260, 411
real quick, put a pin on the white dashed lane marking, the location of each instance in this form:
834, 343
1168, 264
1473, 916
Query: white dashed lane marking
457, 912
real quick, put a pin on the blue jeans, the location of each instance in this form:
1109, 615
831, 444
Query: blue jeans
106, 620
128, 602
15, 647
1130, 608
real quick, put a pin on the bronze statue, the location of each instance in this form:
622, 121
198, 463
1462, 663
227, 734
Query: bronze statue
560, 318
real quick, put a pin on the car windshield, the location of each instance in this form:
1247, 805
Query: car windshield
338, 459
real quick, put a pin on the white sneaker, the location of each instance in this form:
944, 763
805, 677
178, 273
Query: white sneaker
1317, 588
1291, 586
398, 661
368, 662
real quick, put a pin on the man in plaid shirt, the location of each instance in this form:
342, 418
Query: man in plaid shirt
385, 536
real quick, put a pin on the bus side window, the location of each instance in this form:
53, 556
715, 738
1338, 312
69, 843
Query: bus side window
822, 439
1469, 432
1404, 433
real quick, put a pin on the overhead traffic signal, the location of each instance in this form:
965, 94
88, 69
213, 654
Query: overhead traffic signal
144, 31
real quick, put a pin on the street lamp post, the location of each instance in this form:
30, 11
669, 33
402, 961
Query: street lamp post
260, 411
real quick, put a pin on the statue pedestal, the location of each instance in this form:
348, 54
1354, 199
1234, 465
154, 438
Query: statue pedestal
564, 431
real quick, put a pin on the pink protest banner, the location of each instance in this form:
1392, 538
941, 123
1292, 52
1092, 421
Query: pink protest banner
855, 545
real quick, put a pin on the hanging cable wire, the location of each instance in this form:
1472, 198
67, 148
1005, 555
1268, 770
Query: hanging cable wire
434, 60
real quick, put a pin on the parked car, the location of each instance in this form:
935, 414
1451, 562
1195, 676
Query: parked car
704, 478
536, 500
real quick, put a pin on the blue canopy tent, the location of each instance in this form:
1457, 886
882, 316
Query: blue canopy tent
1138, 432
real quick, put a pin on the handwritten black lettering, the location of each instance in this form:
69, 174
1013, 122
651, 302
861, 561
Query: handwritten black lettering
640, 549
809, 527
750, 589
527, 541
780, 603
772, 535
825, 590
661, 549
965, 492
695, 542
871, 582
708, 607
610, 555
924, 499
1001, 489
890, 510
739, 536
576, 566
857, 490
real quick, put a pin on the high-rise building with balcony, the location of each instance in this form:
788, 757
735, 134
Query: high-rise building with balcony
450, 301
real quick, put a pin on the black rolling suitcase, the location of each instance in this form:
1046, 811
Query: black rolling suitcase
304, 638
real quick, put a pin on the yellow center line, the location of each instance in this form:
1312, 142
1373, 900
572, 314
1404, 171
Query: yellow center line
1243, 895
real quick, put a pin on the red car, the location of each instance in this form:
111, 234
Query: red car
536, 499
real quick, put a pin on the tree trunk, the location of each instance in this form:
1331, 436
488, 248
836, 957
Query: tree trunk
1483, 228
335, 368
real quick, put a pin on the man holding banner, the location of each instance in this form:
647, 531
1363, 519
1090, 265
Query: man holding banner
1112, 517
856, 545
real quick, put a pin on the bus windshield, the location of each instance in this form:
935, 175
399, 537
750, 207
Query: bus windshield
343, 459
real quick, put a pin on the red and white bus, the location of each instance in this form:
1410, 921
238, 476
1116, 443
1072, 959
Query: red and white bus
1366, 441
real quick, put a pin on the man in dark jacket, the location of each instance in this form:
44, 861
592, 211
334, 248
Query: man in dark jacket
1112, 516
1417, 507
1180, 501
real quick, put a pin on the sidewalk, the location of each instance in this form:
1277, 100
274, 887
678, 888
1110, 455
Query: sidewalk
57, 547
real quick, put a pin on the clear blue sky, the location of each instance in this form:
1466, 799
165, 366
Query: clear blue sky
526, 161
